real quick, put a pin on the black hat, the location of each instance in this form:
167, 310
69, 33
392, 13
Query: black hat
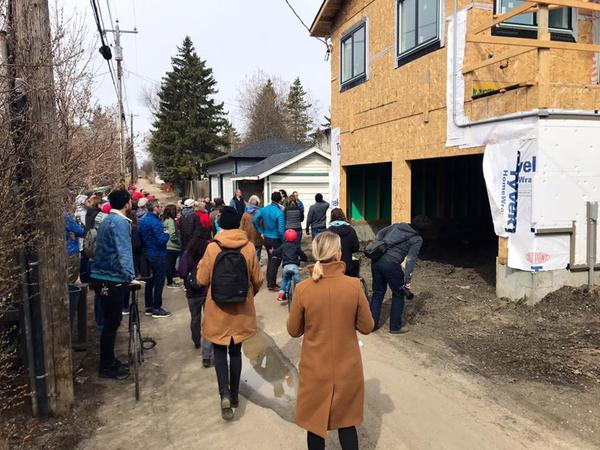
229, 218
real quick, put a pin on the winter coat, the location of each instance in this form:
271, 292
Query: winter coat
403, 242
317, 215
328, 313
189, 226
153, 235
350, 245
247, 225
140, 213
113, 260
213, 216
186, 264
222, 322
293, 218
289, 253
73, 231
90, 217
173, 243
273, 222
238, 204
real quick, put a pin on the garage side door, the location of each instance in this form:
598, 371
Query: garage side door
307, 192
214, 187
227, 189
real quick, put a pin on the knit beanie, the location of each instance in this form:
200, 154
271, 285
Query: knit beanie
229, 218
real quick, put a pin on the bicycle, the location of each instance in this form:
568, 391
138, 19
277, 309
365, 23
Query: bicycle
136, 341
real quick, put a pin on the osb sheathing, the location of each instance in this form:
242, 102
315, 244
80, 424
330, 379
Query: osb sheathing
399, 114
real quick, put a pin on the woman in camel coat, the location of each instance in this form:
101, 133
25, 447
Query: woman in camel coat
228, 325
328, 309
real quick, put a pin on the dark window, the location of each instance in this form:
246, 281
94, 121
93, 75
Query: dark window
560, 21
354, 55
418, 26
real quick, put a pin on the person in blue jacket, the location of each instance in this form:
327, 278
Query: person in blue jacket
112, 270
73, 231
154, 239
270, 223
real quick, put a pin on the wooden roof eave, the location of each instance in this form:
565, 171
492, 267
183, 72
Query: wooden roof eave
323, 23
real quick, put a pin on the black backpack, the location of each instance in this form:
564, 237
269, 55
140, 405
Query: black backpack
229, 282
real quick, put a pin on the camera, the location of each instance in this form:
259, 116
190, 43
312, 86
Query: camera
407, 293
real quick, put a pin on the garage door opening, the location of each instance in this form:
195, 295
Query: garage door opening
452, 193
369, 189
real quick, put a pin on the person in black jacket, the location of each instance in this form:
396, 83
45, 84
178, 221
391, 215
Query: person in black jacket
189, 224
290, 255
340, 226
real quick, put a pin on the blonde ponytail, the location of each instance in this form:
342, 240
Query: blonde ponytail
325, 247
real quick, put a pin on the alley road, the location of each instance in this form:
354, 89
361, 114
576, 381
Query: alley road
410, 402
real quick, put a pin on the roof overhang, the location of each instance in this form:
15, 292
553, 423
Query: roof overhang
323, 22
283, 165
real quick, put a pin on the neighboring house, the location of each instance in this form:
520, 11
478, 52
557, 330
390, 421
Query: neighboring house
305, 171
222, 170
417, 102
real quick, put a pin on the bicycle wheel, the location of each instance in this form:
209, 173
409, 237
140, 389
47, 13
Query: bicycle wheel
365, 288
291, 294
137, 348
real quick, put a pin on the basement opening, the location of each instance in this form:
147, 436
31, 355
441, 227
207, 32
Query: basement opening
451, 191
369, 190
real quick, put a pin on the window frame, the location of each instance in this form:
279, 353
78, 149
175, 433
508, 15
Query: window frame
364, 76
426, 47
530, 31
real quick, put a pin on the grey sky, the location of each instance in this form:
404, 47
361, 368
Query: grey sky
236, 37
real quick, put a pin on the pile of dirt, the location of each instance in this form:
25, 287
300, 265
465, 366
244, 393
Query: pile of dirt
556, 341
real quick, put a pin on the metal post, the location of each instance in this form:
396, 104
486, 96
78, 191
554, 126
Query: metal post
592, 224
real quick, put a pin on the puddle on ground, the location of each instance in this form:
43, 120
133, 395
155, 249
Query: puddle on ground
269, 379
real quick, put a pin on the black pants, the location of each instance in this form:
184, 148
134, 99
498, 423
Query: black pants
348, 439
273, 265
228, 375
112, 296
171, 263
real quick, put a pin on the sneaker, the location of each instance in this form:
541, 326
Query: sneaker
148, 311
274, 288
125, 312
160, 313
402, 330
235, 400
206, 363
226, 411
281, 297
174, 285
119, 372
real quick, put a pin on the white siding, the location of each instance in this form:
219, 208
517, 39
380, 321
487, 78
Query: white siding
227, 189
312, 164
214, 187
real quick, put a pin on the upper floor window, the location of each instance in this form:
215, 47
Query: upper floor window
560, 22
354, 56
418, 27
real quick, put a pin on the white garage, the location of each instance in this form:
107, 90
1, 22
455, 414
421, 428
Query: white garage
305, 171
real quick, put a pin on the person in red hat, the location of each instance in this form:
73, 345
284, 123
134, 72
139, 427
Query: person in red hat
136, 196
291, 255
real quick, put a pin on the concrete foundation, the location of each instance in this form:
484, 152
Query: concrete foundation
533, 286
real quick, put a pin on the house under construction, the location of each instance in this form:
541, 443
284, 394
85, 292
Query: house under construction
482, 116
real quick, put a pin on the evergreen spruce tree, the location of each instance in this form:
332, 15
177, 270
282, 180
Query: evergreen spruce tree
298, 118
189, 124
267, 116
232, 138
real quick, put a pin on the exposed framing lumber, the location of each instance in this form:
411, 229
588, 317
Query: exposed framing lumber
496, 59
570, 4
533, 43
501, 18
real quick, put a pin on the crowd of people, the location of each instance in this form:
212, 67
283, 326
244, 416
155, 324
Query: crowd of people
126, 236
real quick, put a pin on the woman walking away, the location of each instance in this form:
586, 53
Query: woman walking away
231, 271
248, 227
329, 308
173, 245
350, 244
196, 294
294, 216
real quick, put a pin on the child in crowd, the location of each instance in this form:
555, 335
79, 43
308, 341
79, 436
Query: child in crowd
291, 255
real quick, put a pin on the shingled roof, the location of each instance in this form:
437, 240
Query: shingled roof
263, 149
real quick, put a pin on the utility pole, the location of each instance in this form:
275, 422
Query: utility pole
133, 161
39, 152
119, 58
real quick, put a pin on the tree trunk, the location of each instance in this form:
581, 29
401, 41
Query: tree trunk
30, 29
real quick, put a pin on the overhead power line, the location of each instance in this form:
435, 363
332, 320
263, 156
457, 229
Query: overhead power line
324, 41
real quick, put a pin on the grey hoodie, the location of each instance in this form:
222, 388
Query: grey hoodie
403, 242
317, 215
